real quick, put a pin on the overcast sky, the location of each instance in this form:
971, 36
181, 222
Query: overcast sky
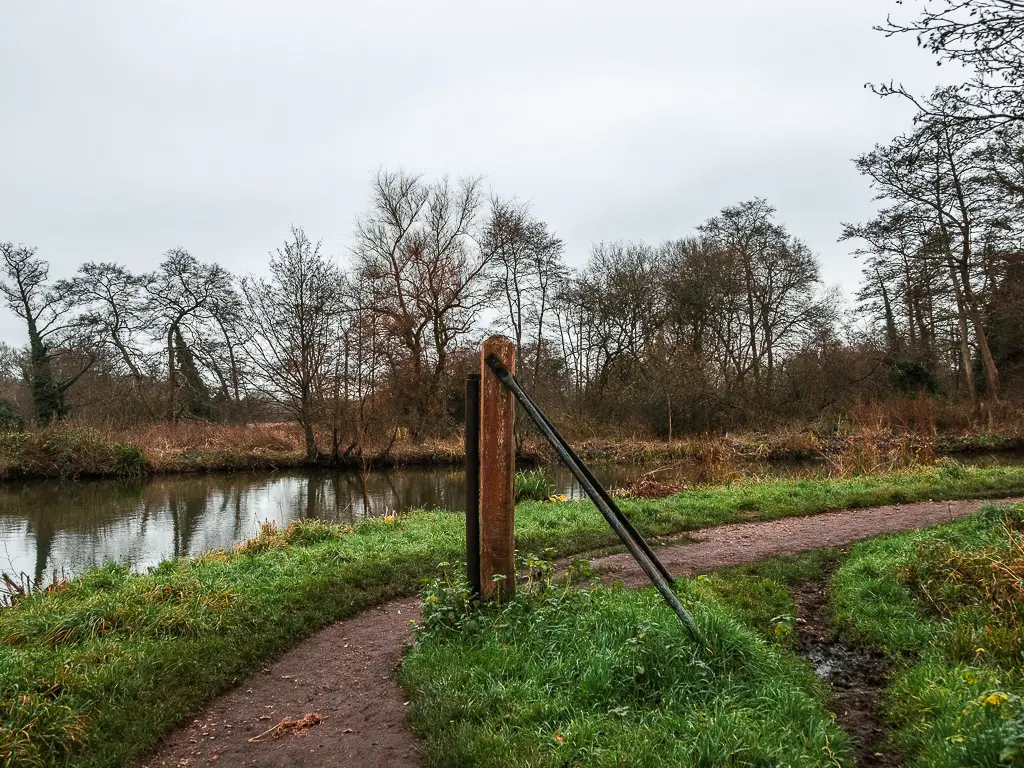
128, 128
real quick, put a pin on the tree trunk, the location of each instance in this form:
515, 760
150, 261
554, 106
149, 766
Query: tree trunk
965, 349
171, 374
311, 450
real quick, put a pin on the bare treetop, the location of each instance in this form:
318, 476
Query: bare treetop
985, 35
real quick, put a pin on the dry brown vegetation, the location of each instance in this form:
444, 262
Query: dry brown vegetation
872, 438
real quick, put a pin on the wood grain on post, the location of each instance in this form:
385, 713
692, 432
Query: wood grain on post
497, 473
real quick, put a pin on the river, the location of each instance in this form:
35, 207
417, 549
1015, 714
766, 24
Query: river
48, 527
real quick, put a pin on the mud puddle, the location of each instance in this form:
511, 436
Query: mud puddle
857, 676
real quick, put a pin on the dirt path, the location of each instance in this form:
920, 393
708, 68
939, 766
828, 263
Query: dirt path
727, 545
345, 673
855, 675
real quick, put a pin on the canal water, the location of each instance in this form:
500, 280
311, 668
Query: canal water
48, 527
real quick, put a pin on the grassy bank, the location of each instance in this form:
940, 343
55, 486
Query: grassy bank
69, 451
94, 672
603, 677
948, 606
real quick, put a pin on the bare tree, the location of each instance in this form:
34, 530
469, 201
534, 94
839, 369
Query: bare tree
417, 253
111, 304
526, 259
987, 36
181, 300
936, 176
779, 276
48, 315
294, 341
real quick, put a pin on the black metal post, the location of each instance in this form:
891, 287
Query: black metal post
598, 497
473, 482
625, 521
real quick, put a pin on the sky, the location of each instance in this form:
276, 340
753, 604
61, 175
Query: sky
129, 128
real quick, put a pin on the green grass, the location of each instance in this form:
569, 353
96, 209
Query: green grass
93, 674
759, 593
606, 677
533, 485
947, 605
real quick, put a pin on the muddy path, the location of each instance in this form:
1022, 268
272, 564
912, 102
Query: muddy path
856, 675
345, 673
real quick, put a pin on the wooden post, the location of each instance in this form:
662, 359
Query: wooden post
497, 473
473, 483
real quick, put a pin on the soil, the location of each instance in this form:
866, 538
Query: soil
346, 672
739, 543
856, 675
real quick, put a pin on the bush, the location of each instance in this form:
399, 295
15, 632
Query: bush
10, 420
129, 460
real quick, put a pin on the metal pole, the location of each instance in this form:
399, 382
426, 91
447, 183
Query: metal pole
473, 483
626, 522
506, 378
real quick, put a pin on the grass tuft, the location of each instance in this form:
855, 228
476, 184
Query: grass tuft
533, 485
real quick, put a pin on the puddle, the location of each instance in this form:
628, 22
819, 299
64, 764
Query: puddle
856, 675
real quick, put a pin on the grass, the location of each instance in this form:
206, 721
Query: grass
68, 453
533, 485
947, 605
605, 677
94, 673
759, 593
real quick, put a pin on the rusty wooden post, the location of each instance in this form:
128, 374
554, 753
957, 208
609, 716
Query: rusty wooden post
497, 473
473, 483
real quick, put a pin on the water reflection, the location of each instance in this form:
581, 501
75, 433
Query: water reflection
49, 526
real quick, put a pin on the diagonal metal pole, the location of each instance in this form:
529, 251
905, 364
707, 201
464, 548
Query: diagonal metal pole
591, 489
626, 522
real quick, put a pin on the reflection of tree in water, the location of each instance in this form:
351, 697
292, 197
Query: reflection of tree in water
195, 505
314, 497
331, 496
187, 506
48, 509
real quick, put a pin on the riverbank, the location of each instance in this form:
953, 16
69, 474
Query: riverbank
95, 671
68, 451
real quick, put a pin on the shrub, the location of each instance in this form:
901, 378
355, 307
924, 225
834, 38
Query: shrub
128, 460
10, 420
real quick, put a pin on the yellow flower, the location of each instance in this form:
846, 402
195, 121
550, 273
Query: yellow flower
994, 699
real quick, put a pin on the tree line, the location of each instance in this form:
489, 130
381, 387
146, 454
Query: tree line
944, 256
729, 327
